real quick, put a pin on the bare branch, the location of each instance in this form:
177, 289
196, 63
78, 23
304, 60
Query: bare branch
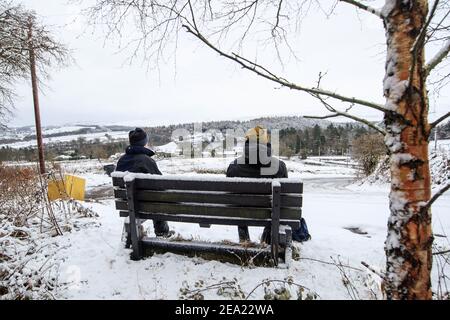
328, 116
336, 113
436, 196
266, 282
364, 7
263, 72
420, 40
347, 115
441, 252
365, 264
277, 23
439, 120
192, 14
440, 26
14, 51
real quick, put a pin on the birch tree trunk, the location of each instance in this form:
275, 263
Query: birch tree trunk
409, 239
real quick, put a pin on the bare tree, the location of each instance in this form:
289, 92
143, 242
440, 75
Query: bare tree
409, 26
15, 45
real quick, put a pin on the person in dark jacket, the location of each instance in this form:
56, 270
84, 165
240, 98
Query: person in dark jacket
257, 162
137, 158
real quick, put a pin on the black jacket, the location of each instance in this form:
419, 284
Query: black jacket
249, 165
138, 159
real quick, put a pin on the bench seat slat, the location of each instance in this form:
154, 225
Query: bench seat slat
251, 187
245, 200
295, 224
209, 210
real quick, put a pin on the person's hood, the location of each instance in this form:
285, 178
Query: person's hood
139, 150
253, 151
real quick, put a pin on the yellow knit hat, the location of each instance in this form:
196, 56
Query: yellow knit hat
257, 132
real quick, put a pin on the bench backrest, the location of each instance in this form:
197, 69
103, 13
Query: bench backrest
230, 201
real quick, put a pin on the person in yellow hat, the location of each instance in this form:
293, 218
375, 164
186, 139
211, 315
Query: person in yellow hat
257, 156
254, 163
259, 133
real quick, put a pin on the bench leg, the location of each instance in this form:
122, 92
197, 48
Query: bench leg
136, 242
275, 227
243, 234
286, 242
126, 235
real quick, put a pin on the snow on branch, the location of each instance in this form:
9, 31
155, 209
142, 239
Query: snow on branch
364, 7
441, 55
439, 120
436, 196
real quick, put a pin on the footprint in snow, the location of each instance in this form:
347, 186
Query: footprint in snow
357, 230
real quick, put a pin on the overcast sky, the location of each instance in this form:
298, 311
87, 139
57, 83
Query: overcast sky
99, 88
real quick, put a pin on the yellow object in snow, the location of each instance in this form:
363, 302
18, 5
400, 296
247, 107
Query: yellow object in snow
75, 187
72, 187
56, 190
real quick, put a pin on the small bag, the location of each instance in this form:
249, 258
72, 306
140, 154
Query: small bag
301, 234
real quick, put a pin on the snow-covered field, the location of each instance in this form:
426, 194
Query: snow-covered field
347, 222
101, 136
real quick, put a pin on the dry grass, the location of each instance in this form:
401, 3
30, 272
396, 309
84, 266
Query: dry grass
29, 221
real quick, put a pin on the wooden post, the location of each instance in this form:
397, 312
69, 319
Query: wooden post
134, 232
37, 115
274, 241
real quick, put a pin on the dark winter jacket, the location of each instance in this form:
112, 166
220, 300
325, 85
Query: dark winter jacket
138, 159
248, 167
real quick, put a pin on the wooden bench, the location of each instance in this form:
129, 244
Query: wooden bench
206, 201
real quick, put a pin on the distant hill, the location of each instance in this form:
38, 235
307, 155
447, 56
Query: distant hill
285, 122
18, 137
162, 134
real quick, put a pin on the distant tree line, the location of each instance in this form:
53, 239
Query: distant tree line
335, 139
318, 141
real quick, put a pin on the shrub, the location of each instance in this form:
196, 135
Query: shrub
20, 198
367, 149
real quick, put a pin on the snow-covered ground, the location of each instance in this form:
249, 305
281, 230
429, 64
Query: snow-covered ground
441, 145
347, 222
101, 136
64, 129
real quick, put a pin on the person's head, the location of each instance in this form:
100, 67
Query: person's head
138, 137
257, 147
257, 134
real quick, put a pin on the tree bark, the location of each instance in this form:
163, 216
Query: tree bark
409, 239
